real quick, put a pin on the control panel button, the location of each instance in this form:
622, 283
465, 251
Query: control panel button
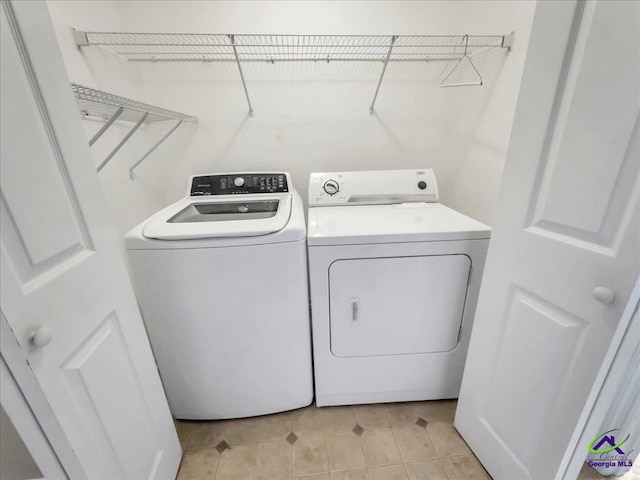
238, 182
422, 185
331, 187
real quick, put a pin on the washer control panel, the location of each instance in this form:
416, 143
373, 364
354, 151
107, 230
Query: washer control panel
372, 187
238, 183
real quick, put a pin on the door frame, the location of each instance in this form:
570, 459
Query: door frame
27, 426
34, 402
603, 391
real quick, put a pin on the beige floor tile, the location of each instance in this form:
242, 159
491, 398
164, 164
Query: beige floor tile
380, 447
401, 413
237, 463
307, 422
414, 443
199, 464
427, 470
345, 452
338, 419
309, 456
207, 434
274, 427
390, 472
588, 473
184, 430
437, 410
351, 475
371, 416
242, 431
446, 440
464, 468
273, 460
324, 476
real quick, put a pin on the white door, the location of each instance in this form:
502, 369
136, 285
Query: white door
63, 273
564, 253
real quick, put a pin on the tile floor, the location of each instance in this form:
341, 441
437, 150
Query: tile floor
588, 473
403, 441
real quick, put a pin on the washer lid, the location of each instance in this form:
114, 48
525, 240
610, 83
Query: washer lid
249, 215
403, 222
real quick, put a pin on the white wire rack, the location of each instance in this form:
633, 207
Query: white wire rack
192, 47
94, 103
165, 47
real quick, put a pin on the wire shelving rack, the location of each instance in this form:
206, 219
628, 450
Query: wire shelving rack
192, 47
93, 103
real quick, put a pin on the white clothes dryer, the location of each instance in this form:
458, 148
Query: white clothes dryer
394, 280
221, 279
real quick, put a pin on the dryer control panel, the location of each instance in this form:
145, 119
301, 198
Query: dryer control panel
379, 187
238, 183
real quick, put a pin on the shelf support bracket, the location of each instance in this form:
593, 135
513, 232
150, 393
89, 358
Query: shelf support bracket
166, 135
244, 84
123, 141
79, 38
106, 126
384, 68
507, 40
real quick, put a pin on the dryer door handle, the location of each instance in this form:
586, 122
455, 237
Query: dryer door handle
353, 311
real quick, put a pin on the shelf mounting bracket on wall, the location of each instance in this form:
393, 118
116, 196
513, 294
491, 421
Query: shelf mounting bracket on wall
384, 68
123, 141
106, 126
166, 135
97, 104
244, 85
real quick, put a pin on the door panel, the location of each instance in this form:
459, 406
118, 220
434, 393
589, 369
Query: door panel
92, 371
567, 225
63, 270
394, 306
37, 210
591, 164
532, 327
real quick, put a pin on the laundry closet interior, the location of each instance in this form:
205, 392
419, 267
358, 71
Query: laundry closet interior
304, 195
308, 115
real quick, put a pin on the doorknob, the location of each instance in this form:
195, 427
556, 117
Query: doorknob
41, 337
603, 295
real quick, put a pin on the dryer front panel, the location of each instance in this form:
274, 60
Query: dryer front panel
397, 305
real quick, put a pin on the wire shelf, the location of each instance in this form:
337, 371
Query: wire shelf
108, 107
99, 104
176, 47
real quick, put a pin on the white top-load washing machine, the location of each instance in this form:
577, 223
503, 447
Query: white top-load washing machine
394, 280
221, 279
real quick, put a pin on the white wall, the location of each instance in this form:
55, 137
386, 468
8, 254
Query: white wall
308, 116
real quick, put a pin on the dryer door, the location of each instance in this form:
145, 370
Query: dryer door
398, 305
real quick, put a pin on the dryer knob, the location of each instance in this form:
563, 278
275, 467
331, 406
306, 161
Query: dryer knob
331, 187
238, 182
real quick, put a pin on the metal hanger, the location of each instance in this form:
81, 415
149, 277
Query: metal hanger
476, 83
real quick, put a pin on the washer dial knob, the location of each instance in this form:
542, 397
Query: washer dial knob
331, 187
238, 182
